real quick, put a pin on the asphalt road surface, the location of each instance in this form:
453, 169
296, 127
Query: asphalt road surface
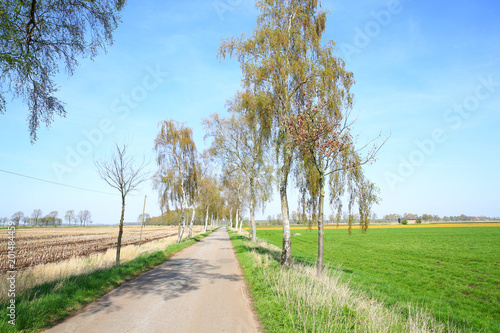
200, 289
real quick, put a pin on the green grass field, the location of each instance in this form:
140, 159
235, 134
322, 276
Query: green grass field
453, 272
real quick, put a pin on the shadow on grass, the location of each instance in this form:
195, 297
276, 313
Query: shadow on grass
247, 246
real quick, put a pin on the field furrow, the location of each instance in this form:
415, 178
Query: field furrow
37, 246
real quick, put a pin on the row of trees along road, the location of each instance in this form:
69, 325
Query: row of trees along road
185, 177
296, 95
295, 102
295, 98
240, 147
84, 217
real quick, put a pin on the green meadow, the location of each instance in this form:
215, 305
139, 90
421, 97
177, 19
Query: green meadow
454, 273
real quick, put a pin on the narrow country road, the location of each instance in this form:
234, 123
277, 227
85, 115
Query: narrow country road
200, 289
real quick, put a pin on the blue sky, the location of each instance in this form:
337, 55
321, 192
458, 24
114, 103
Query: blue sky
426, 72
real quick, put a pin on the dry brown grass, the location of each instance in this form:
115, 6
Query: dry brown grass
31, 276
35, 246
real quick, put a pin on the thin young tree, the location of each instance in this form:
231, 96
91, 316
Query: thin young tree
37, 38
122, 173
175, 179
238, 143
326, 147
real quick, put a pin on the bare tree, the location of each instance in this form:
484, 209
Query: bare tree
146, 218
37, 214
69, 216
84, 217
121, 173
17, 217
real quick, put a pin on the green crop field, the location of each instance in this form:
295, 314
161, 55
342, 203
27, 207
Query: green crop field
452, 272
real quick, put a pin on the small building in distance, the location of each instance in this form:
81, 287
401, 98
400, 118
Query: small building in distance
409, 220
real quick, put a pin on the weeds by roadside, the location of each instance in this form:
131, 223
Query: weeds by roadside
296, 299
37, 275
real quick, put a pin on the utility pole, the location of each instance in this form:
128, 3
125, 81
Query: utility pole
142, 223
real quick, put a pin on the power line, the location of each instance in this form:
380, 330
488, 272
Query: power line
51, 182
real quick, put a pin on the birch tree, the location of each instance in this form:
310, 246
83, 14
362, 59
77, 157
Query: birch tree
121, 173
282, 60
203, 164
209, 193
234, 182
238, 144
38, 38
175, 179
367, 196
327, 148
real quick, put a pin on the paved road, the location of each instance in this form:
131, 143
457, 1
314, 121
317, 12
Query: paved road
200, 289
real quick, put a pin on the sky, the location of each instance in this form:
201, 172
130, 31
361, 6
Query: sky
427, 76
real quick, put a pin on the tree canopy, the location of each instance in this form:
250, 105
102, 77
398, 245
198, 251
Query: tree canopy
175, 179
40, 37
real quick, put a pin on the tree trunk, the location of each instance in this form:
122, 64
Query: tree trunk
321, 232
183, 219
286, 254
252, 210
206, 220
231, 218
191, 223
237, 223
120, 233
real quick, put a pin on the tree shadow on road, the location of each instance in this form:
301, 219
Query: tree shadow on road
171, 280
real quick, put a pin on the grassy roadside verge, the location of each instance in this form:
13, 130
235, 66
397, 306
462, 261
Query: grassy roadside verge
452, 272
49, 303
296, 300
270, 310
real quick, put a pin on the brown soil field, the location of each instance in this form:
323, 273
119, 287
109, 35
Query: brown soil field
35, 246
